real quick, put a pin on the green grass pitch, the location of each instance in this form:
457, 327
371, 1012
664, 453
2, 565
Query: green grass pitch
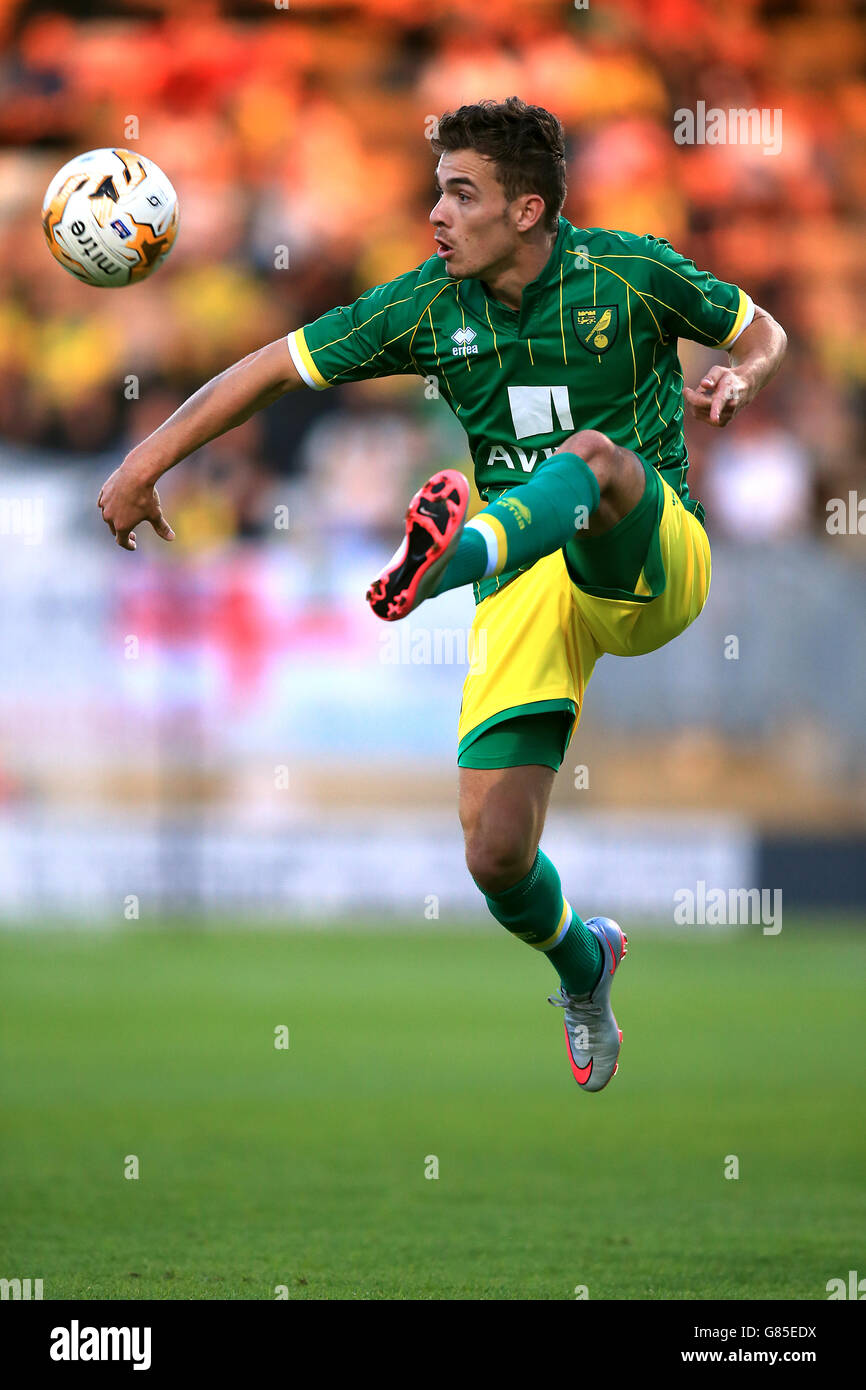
305, 1166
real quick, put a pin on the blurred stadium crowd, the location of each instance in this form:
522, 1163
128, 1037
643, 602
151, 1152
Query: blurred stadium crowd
301, 132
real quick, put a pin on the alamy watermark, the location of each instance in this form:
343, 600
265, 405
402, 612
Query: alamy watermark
20, 1289
846, 516
719, 907
438, 646
737, 126
854, 1288
77, 1343
23, 517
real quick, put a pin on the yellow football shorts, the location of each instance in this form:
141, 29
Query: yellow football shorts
535, 642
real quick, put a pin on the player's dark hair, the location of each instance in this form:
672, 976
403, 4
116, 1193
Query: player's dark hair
526, 143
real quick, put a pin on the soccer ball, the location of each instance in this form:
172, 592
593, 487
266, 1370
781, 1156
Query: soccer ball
110, 217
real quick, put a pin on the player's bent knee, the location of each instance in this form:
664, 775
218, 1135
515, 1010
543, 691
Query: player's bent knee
497, 864
618, 472
588, 445
599, 453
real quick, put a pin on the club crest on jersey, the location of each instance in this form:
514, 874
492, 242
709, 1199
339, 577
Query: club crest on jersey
463, 338
596, 326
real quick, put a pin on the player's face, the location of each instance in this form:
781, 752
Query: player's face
473, 224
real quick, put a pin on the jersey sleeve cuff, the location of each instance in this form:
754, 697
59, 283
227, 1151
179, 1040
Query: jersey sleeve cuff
745, 314
303, 360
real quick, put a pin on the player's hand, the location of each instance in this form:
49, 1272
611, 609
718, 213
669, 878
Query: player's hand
721, 393
125, 500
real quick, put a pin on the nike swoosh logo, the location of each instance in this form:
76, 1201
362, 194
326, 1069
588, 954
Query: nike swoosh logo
581, 1074
612, 956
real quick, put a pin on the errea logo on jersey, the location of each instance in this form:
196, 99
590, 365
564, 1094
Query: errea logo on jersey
463, 338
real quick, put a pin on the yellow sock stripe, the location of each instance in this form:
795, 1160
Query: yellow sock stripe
501, 539
557, 936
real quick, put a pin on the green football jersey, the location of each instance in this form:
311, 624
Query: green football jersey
593, 346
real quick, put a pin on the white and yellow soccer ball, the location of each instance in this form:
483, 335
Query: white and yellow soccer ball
110, 217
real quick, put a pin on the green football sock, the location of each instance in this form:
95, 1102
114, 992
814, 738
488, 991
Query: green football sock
535, 911
528, 522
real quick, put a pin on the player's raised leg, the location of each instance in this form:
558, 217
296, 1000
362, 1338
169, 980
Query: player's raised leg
434, 522
588, 485
502, 811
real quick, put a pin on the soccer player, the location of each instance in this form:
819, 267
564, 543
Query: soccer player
556, 348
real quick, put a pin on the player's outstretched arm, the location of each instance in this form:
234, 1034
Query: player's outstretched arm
129, 496
755, 358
